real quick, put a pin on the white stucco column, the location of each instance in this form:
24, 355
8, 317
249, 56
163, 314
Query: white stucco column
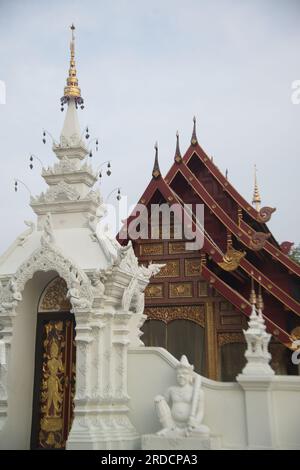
83, 340
259, 411
6, 330
256, 379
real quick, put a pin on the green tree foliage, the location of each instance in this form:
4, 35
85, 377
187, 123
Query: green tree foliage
295, 254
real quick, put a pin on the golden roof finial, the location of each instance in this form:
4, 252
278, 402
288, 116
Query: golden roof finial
253, 294
260, 301
72, 89
156, 171
178, 157
256, 201
194, 140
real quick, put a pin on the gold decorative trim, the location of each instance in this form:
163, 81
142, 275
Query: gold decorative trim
192, 267
51, 432
228, 338
54, 297
193, 313
171, 269
180, 289
202, 289
151, 249
211, 341
231, 319
154, 291
232, 259
177, 248
294, 336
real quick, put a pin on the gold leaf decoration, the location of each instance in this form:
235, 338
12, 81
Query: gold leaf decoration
232, 259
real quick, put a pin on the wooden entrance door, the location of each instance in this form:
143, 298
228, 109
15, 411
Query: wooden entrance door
54, 380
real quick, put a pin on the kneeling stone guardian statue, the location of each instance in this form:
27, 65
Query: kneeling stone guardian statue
180, 411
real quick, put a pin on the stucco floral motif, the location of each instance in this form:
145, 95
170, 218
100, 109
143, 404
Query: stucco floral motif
61, 191
47, 258
72, 141
25, 235
128, 262
129, 293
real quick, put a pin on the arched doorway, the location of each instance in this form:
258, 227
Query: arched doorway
55, 369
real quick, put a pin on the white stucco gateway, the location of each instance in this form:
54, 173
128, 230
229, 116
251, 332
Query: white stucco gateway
104, 286
115, 378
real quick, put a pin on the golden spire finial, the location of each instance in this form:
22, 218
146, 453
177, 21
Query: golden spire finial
256, 201
178, 157
156, 171
252, 295
72, 89
194, 140
260, 302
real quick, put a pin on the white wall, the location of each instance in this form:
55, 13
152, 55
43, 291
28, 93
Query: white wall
152, 370
17, 428
286, 406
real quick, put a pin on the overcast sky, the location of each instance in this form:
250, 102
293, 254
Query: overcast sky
145, 68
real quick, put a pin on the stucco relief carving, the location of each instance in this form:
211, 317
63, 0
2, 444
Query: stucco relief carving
25, 235
128, 262
3, 368
181, 409
129, 293
72, 141
65, 165
94, 195
48, 258
97, 280
10, 295
139, 303
60, 192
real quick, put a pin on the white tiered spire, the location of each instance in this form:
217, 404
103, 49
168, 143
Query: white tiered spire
257, 354
70, 134
69, 197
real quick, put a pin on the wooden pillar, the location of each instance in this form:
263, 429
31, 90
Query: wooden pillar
211, 341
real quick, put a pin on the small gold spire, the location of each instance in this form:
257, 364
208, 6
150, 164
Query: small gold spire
156, 171
252, 295
229, 240
194, 140
260, 302
178, 157
256, 201
72, 89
